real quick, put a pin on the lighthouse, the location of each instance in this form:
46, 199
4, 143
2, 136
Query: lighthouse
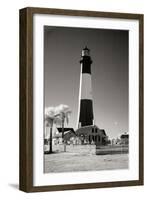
86, 116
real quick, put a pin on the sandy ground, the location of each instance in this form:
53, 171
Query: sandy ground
75, 161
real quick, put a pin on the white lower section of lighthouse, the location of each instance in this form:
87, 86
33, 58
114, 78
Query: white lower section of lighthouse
86, 87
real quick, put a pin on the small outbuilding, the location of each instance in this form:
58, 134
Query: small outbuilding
124, 139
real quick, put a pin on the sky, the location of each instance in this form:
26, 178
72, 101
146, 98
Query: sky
109, 53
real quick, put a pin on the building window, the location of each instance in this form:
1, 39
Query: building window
99, 138
92, 130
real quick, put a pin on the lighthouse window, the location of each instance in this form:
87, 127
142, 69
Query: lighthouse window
86, 53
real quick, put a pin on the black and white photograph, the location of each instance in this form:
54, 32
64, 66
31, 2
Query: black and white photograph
81, 105
86, 99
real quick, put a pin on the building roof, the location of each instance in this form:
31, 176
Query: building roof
65, 130
103, 131
89, 126
84, 130
124, 136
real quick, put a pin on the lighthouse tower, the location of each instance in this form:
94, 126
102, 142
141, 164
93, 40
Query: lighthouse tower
86, 116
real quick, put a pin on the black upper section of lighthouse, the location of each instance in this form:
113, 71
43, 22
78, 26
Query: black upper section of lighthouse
86, 61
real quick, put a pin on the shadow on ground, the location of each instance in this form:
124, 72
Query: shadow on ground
14, 185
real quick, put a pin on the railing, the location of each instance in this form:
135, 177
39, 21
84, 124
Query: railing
112, 149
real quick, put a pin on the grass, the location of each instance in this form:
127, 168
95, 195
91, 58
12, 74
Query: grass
83, 158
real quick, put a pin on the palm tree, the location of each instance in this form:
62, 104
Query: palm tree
50, 118
63, 111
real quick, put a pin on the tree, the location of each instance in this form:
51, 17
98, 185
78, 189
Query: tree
50, 117
63, 111
59, 114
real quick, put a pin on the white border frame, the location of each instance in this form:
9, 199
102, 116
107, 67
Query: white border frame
40, 178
